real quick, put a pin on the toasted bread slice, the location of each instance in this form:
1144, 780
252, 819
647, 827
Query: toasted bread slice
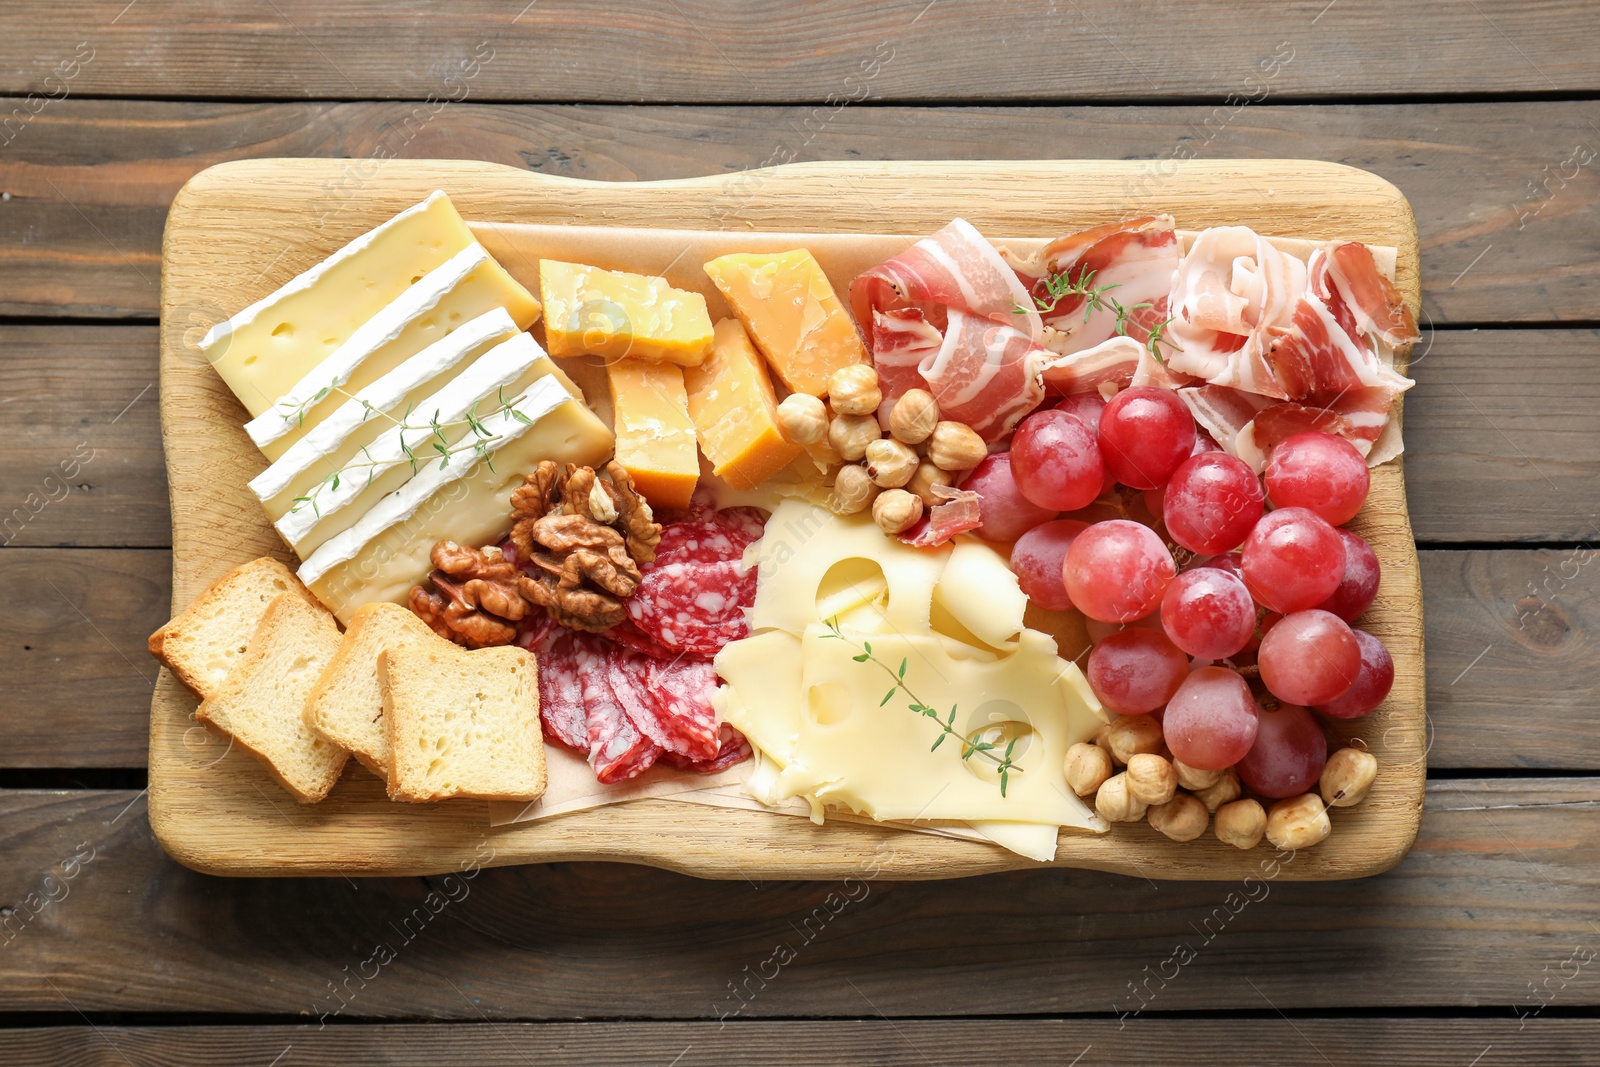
262, 704
462, 724
204, 644
346, 706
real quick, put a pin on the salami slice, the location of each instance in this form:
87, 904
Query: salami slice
617, 750
561, 703
735, 749
745, 523
674, 708
629, 636
694, 607
698, 542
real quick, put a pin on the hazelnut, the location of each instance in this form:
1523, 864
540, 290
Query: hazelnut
895, 510
925, 478
890, 462
914, 416
1115, 803
1227, 789
1347, 776
1102, 738
1183, 818
1193, 777
1132, 734
853, 490
1298, 822
851, 434
1088, 767
955, 446
1241, 823
802, 419
1151, 778
854, 390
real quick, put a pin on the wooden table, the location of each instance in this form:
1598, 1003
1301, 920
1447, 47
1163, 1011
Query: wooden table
1483, 947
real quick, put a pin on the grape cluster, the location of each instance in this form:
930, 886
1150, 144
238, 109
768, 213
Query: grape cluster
1219, 603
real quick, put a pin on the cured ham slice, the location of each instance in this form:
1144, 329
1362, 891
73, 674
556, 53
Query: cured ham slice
955, 267
1372, 298
1231, 287
1137, 259
960, 512
985, 374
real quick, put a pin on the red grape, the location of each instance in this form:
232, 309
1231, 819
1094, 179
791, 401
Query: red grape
1309, 657
1086, 406
1135, 671
1037, 559
1210, 722
1318, 471
1007, 514
1098, 631
1231, 562
1372, 684
1287, 757
1208, 613
1145, 432
1116, 571
1359, 584
1212, 502
1056, 461
1292, 560
1204, 443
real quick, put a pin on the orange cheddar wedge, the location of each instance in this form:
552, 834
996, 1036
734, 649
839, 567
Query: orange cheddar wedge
735, 411
792, 313
655, 437
616, 315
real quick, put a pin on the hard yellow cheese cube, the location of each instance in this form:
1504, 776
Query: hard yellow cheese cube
792, 313
735, 411
655, 437
613, 314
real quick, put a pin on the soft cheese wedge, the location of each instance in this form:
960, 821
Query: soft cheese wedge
469, 284
358, 421
466, 500
269, 346
505, 371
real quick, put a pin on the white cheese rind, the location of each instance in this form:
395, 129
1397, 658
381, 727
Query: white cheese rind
338, 435
294, 409
385, 464
322, 306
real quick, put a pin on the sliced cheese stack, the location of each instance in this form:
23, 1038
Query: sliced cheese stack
949, 623
400, 400
462, 497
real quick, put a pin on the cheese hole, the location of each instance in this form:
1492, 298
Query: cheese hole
1000, 733
829, 703
283, 329
850, 584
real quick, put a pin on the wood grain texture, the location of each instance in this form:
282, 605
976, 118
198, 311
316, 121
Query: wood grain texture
1497, 415
1504, 881
1262, 1042
696, 50
219, 818
80, 439
90, 180
72, 653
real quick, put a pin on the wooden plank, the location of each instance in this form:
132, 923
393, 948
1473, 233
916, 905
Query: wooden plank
1265, 1042
76, 701
72, 651
1497, 415
218, 819
80, 438
1507, 215
1503, 884
695, 50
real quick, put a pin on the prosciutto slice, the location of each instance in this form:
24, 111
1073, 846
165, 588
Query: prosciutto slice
1372, 298
950, 316
1137, 258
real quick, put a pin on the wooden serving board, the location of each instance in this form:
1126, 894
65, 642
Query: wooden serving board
240, 230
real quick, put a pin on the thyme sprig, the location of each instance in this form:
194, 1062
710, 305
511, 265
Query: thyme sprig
436, 442
1004, 763
1060, 286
